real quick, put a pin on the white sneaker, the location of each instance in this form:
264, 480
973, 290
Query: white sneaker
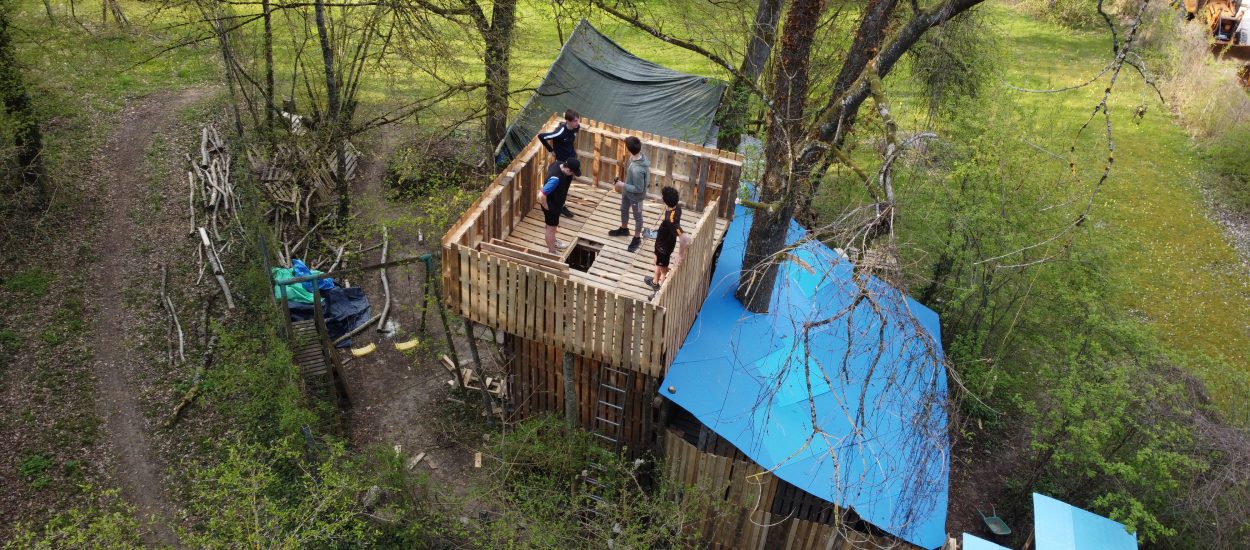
561, 245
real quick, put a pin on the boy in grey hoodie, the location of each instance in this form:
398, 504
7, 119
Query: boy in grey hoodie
633, 191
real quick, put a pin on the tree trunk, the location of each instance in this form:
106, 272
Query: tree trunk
733, 115
785, 129
27, 136
333, 123
223, 41
498, 38
47, 8
844, 103
268, 45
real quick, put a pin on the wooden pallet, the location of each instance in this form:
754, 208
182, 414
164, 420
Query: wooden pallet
309, 356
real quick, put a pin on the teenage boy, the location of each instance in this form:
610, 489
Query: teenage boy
666, 237
633, 190
551, 199
562, 142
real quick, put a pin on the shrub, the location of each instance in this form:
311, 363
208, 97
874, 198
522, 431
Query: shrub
105, 522
1077, 14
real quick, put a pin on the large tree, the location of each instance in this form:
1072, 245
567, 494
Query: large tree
496, 35
801, 136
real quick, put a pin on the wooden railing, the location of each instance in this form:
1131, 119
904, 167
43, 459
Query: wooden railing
700, 174
683, 293
528, 297
577, 317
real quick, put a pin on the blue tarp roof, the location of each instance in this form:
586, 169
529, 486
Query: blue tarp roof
874, 383
1061, 526
975, 543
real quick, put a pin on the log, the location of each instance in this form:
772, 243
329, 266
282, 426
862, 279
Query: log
194, 391
357, 330
204, 147
218, 271
173, 314
191, 200
386, 285
338, 256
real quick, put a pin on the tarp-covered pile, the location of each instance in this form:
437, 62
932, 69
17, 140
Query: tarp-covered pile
602, 81
344, 308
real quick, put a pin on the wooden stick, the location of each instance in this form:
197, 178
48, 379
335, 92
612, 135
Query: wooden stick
218, 270
338, 256
386, 285
204, 147
191, 199
356, 330
173, 314
195, 384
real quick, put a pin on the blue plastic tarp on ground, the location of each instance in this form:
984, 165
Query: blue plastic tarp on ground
344, 309
1061, 526
853, 413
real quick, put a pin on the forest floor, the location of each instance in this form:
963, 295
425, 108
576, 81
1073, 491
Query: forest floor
121, 177
401, 400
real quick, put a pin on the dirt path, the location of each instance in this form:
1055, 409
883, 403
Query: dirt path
121, 176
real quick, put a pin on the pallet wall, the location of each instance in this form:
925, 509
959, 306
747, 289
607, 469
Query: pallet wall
536, 386
745, 518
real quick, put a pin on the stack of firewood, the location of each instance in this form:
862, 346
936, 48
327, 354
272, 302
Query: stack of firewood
211, 190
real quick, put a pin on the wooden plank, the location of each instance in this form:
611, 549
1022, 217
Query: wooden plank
536, 262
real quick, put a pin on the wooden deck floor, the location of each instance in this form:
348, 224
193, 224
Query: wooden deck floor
597, 211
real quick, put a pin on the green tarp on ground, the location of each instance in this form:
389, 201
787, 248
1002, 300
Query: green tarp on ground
603, 82
294, 293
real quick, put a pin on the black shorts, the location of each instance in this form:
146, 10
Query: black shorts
552, 217
662, 256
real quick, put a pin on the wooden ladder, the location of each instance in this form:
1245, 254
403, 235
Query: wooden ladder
608, 426
611, 399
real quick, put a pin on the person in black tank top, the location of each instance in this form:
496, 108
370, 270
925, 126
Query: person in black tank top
666, 237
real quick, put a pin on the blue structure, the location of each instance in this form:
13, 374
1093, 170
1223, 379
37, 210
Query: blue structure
976, 543
1061, 526
852, 413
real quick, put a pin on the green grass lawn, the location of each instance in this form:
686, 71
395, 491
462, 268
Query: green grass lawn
1172, 261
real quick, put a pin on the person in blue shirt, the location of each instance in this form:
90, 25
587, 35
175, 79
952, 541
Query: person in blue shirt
562, 142
551, 199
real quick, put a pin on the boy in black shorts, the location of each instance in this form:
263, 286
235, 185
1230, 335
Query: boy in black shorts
666, 237
551, 199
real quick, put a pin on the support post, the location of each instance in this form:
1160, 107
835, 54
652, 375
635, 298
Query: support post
477, 368
570, 391
451, 345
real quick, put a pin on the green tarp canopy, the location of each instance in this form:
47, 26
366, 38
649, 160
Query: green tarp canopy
603, 82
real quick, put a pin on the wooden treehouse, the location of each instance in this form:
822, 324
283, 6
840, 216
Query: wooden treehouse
586, 337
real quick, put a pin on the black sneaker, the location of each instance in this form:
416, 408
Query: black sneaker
651, 282
634, 244
566, 213
618, 232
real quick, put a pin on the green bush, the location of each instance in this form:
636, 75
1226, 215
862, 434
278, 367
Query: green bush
1230, 161
273, 496
105, 522
956, 60
1077, 14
